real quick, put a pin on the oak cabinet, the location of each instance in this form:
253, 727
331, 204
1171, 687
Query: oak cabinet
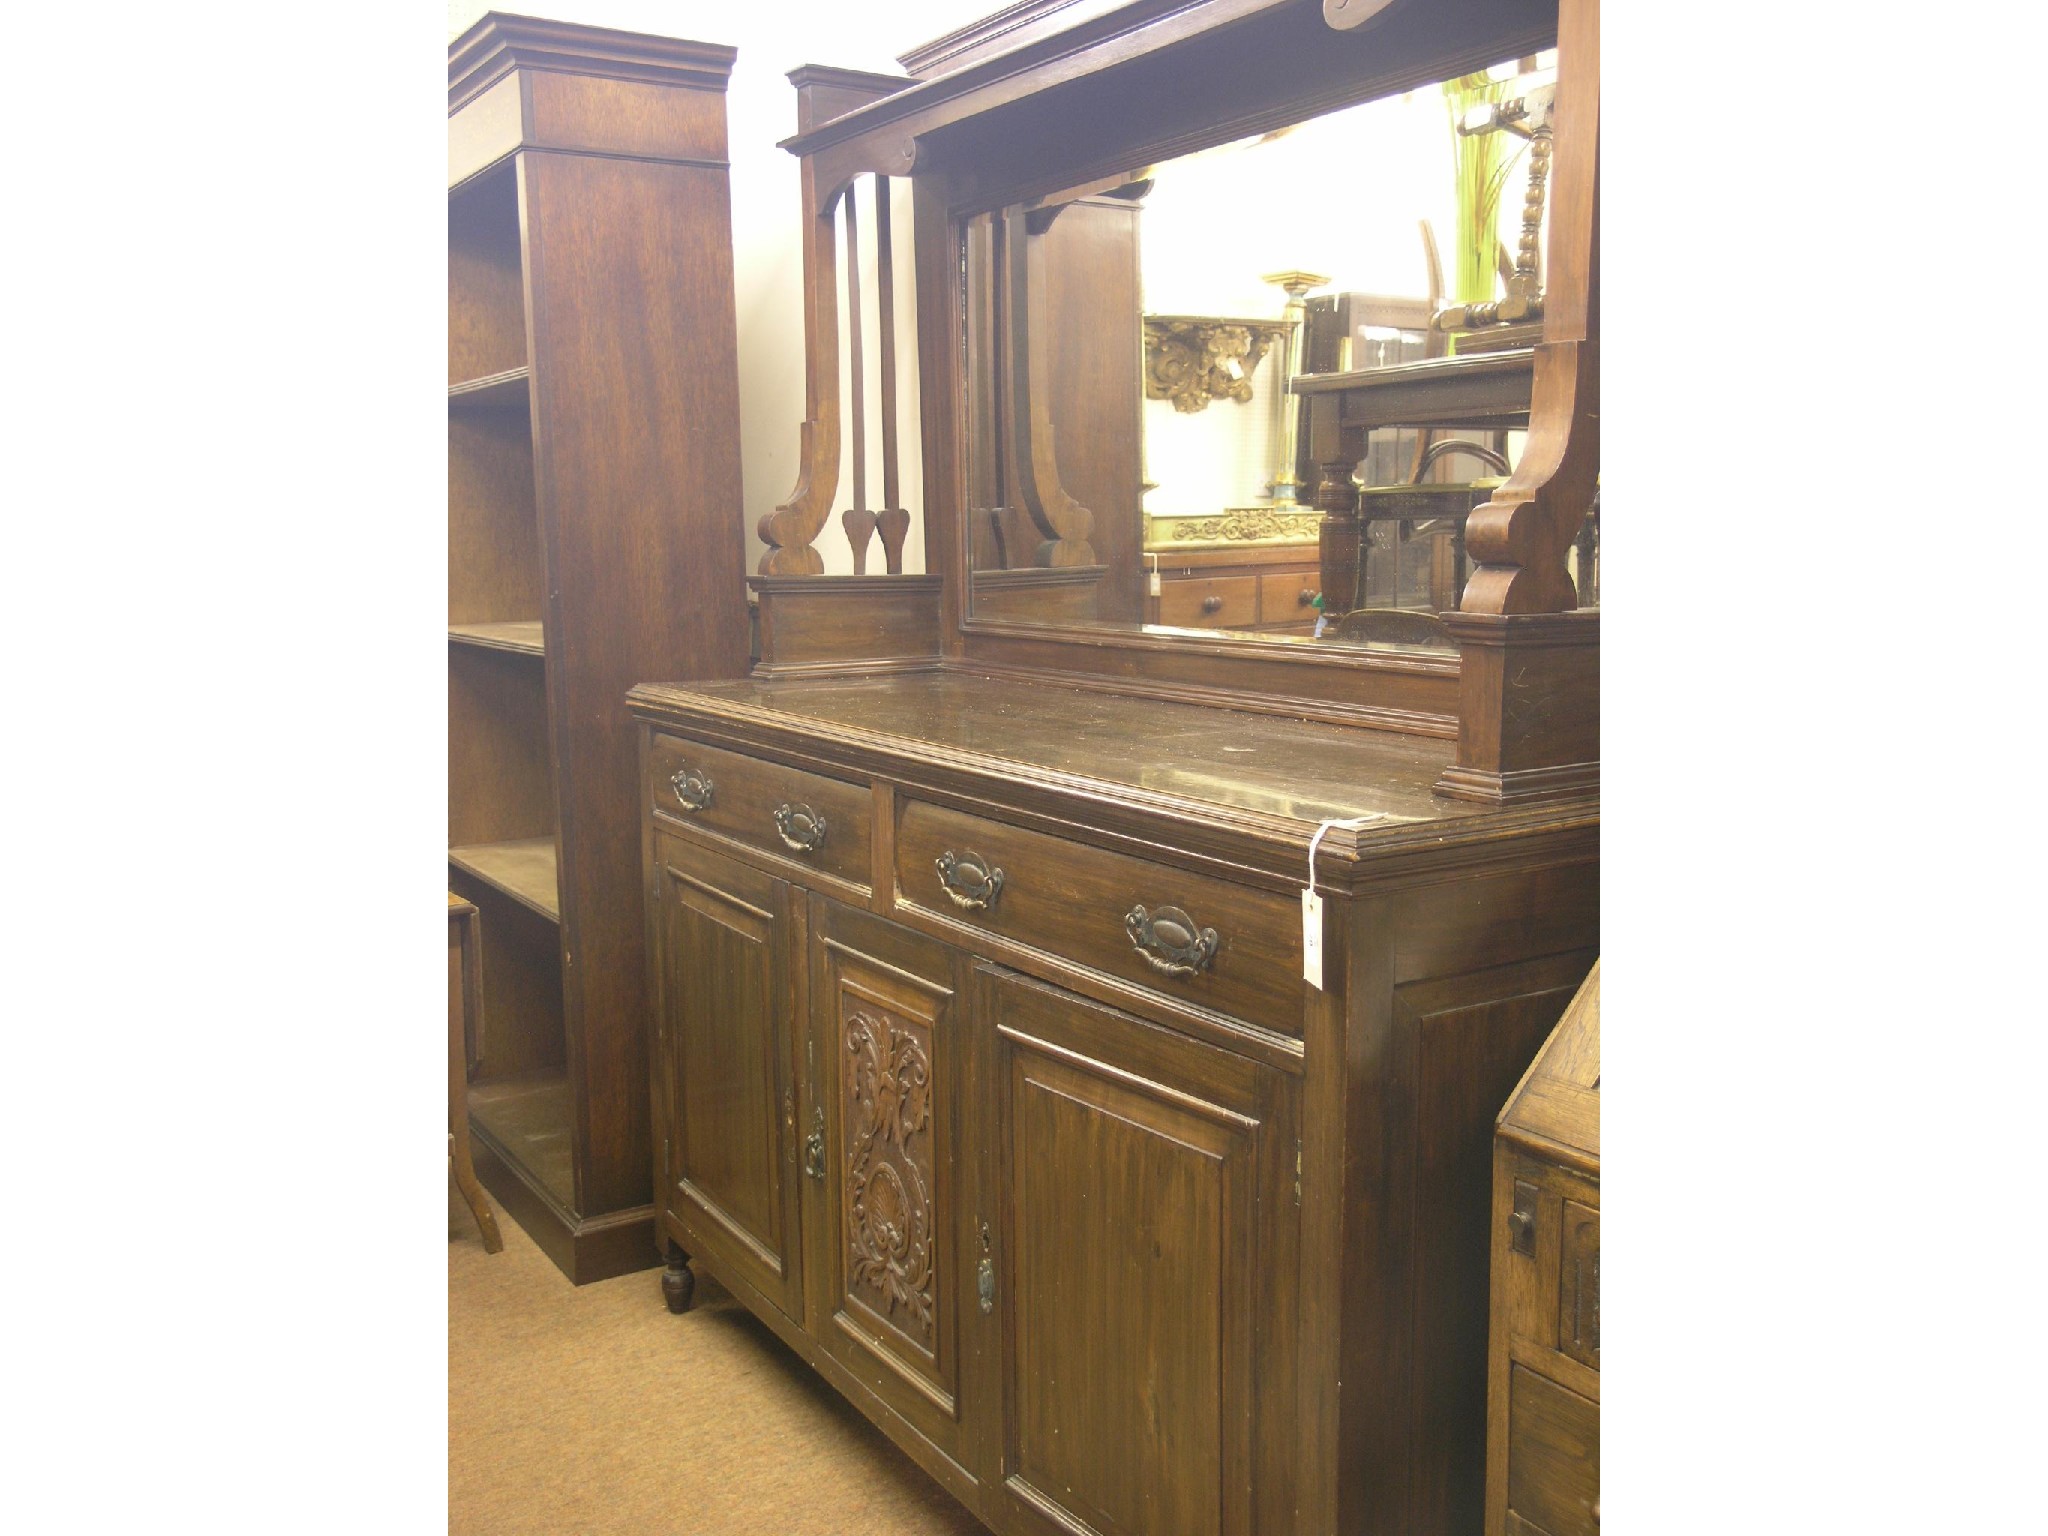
1035, 1228
999, 1095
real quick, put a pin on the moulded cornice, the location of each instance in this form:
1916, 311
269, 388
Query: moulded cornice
1007, 28
499, 44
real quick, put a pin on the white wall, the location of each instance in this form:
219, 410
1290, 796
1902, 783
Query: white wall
1340, 195
760, 110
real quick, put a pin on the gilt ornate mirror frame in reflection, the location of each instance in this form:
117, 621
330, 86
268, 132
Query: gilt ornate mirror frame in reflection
1032, 161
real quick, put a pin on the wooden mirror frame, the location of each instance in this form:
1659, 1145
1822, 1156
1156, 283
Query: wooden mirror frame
1047, 100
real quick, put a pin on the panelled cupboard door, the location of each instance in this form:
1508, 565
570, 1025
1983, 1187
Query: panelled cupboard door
727, 1018
891, 1266
1140, 1175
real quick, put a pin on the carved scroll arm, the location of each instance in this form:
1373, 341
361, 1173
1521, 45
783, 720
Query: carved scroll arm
792, 528
1521, 539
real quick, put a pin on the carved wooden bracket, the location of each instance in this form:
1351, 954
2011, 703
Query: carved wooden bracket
1066, 524
1193, 359
1529, 663
1521, 538
792, 529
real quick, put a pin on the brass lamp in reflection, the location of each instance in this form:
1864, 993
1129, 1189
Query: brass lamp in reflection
1297, 284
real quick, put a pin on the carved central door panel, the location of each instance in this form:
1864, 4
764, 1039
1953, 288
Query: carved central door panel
1138, 1170
887, 1069
725, 1040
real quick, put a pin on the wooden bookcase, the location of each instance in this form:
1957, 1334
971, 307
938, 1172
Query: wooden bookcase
594, 539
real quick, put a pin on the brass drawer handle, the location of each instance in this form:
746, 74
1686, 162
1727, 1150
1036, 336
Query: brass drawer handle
800, 827
1170, 941
1212, 604
969, 879
693, 787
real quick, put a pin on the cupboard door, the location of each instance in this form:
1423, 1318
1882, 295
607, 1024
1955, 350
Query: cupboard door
1137, 1170
727, 1016
886, 1069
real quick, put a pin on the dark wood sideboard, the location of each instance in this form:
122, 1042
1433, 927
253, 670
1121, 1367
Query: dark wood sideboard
987, 1076
985, 1066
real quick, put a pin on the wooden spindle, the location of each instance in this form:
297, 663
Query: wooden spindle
857, 520
893, 520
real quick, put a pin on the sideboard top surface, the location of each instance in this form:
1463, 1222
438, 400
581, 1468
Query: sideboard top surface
1279, 776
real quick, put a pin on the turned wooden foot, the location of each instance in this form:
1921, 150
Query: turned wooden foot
678, 1285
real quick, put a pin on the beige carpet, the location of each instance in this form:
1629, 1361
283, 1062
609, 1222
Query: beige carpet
584, 1412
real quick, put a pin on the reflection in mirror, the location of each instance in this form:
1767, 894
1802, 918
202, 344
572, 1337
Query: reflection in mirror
1258, 389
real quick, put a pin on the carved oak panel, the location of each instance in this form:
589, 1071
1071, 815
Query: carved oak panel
886, 1069
887, 1189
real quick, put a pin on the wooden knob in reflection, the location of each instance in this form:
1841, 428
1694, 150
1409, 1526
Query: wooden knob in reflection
1211, 604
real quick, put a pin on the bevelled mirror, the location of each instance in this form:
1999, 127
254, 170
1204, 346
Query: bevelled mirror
1256, 389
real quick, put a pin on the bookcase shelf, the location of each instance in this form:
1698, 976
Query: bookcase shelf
530, 1119
496, 391
520, 636
589, 250
523, 869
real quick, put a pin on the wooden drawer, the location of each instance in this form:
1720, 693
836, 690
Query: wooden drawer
1553, 1458
823, 823
1209, 602
1285, 598
1088, 906
1549, 1264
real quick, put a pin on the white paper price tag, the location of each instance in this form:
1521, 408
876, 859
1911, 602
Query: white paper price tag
1312, 902
1312, 939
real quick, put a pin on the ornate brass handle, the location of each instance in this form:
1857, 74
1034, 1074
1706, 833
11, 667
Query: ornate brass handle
814, 1145
969, 879
1170, 941
693, 787
800, 827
